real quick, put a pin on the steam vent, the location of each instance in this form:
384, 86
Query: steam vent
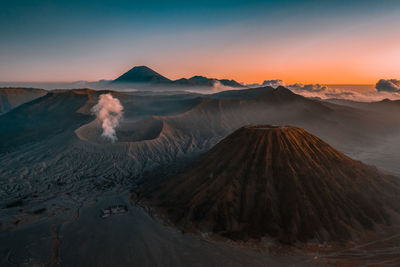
279, 182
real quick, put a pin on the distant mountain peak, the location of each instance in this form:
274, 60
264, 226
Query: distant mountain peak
145, 75
204, 81
142, 74
281, 90
200, 77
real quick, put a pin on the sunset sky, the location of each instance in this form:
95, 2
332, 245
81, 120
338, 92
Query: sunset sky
323, 41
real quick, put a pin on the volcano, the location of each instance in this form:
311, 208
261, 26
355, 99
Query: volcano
142, 74
278, 182
146, 76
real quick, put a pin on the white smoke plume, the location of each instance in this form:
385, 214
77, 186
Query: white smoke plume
109, 111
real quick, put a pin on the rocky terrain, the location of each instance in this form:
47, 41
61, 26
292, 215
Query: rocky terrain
55, 140
54, 159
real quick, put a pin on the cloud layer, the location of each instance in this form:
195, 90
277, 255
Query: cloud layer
384, 89
391, 85
316, 88
109, 111
326, 92
273, 83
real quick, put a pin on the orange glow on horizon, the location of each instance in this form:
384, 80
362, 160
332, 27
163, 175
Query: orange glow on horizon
348, 49
346, 60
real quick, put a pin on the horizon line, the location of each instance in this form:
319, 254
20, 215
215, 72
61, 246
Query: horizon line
250, 83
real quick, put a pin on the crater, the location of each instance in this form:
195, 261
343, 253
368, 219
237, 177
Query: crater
128, 131
147, 129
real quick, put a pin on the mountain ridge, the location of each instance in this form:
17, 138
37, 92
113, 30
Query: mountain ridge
145, 75
12, 97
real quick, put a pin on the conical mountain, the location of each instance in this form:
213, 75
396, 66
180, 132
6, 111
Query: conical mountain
142, 74
278, 182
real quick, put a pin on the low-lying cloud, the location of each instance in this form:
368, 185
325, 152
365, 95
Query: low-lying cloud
273, 83
326, 92
218, 86
109, 111
391, 85
384, 89
316, 88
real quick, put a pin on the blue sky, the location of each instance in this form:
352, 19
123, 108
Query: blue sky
90, 40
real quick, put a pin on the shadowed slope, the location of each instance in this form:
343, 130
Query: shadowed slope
42, 118
13, 97
281, 182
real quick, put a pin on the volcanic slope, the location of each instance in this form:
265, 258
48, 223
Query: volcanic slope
55, 113
220, 114
188, 125
280, 182
13, 97
57, 136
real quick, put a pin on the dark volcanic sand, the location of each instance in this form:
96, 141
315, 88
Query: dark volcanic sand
130, 239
